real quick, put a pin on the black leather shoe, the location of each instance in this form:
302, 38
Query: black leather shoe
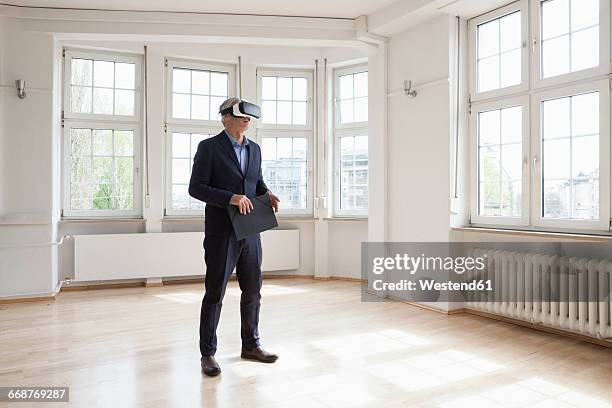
258, 354
210, 367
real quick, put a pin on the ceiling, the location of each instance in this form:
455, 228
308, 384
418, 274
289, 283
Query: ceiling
310, 8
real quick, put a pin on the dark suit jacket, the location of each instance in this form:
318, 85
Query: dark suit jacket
216, 176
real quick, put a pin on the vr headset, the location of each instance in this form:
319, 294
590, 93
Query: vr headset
243, 110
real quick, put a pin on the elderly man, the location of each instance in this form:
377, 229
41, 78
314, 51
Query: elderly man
227, 171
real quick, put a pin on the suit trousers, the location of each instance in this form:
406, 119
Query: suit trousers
222, 254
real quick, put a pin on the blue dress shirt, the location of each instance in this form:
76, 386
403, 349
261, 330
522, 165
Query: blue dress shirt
241, 151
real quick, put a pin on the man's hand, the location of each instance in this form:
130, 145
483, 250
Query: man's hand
274, 201
242, 202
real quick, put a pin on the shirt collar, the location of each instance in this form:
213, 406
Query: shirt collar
234, 142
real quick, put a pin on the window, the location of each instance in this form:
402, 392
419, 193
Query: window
500, 179
286, 136
351, 141
540, 155
572, 149
573, 39
101, 145
195, 92
498, 45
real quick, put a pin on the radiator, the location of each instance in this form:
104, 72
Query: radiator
162, 255
525, 284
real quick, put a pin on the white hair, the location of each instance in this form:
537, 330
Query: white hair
228, 103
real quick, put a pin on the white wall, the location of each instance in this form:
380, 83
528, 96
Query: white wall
28, 166
419, 135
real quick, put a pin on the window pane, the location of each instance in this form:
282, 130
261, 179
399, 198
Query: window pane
488, 73
299, 89
557, 199
102, 142
268, 112
555, 56
284, 148
125, 75
199, 107
299, 113
268, 148
361, 84
556, 115
181, 170
80, 99
284, 89
585, 199
361, 109
81, 72
102, 170
489, 175
123, 189
218, 84
488, 39
556, 157
103, 101
510, 32
268, 87
489, 128
124, 102
346, 111
555, 18
585, 13
80, 142
510, 68
181, 106
200, 81
181, 80
124, 143
585, 158
585, 114
512, 162
104, 72
180, 197
585, 49
283, 112
215, 103
511, 199
299, 148
181, 144
512, 124
346, 86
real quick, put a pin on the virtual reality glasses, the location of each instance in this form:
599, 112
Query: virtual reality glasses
243, 110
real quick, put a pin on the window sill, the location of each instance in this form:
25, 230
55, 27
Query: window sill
280, 218
67, 220
346, 219
586, 236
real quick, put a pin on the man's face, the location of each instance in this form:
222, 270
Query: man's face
237, 124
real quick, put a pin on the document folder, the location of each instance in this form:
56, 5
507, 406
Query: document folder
261, 218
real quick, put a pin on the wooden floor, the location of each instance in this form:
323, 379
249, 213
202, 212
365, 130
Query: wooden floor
137, 347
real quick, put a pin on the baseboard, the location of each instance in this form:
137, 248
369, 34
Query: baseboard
43, 297
552, 330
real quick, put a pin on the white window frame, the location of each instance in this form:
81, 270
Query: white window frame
338, 72
169, 211
604, 66
70, 53
72, 120
346, 130
522, 7
230, 69
270, 130
188, 125
80, 214
474, 162
287, 73
603, 86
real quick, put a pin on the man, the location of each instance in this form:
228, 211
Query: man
227, 171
